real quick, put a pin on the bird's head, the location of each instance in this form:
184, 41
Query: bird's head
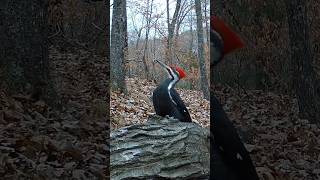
173, 71
178, 71
222, 40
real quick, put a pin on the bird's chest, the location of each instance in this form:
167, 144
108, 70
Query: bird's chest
164, 96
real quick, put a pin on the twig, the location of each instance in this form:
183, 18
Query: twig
97, 26
51, 36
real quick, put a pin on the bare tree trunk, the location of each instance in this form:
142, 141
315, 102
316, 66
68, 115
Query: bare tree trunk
24, 49
137, 50
149, 13
138, 39
180, 18
154, 53
191, 30
202, 64
307, 86
118, 46
184, 10
171, 27
207, 26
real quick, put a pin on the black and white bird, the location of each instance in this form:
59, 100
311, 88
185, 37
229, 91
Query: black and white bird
229, 158
165, 98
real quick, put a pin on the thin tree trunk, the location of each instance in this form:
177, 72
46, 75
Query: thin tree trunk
184, 10
118, 45
307, 86
146, 69
202, 64
137, 50
206, 19
138, 39
154, 53
191, 30
171, 27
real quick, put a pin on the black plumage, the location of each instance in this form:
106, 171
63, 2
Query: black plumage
164, 105
231, 160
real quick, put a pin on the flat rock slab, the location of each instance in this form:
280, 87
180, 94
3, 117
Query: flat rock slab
162, 148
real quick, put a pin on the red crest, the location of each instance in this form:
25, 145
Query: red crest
231, 40
180, 71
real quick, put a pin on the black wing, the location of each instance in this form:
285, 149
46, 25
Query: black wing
219, 169
180, 105
228, 141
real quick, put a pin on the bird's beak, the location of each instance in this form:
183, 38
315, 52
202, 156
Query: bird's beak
163, 65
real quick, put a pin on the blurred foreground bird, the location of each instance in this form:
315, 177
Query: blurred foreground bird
230, 160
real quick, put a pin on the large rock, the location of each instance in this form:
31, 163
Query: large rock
160, 149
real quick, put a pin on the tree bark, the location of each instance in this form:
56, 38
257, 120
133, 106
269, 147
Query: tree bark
171, 28
161, 148
144, 60
191, 33
207, 25
118, 46
24, 49
202, 64
307, 84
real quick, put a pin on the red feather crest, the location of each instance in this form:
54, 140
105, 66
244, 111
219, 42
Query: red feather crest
231, 40
180, 71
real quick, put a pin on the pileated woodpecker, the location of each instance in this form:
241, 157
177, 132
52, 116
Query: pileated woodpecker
166, 100
230, 160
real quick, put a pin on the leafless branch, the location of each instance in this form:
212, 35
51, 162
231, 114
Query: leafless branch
97, 26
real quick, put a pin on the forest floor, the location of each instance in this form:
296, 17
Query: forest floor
137, 107
282, 145
37, 142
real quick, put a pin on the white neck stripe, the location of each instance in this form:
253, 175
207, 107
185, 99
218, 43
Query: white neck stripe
171, 84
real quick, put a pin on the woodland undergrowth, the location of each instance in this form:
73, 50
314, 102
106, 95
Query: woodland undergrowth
282, 145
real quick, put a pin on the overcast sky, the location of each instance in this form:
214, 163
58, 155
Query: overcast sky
134, 18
